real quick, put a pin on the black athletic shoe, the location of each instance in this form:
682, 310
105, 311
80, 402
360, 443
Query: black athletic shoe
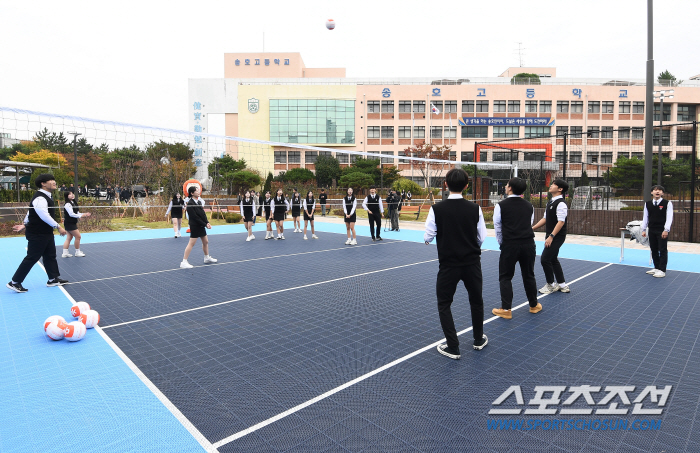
56, 282
479, 345
379, 239
373, 239
17, 287
448, 352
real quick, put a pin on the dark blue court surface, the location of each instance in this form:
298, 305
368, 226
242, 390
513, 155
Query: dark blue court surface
277, 348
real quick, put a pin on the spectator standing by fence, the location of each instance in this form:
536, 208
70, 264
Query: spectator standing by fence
322, 199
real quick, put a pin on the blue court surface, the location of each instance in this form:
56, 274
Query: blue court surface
313, 345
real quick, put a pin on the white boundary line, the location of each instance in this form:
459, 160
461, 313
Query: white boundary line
198, 436
267, 294
301, 406
232, 262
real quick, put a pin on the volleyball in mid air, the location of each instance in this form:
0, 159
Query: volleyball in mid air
330, 24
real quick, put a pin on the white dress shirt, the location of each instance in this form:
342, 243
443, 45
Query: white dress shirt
69, 210
498, 224
669, 215
431, 227
254, 206
272, 204
42, 210
562, 210
354, 206
313, 207
381, 206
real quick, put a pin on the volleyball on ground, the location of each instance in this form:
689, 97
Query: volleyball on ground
78, 308
74, 331
90, 318
330, 24
56, 328
51, 318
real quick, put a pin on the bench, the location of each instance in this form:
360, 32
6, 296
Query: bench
410, 210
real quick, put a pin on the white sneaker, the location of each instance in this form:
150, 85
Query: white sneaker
659, 274
252, 237
305, 238
348, 241
353, 242
208, 259
79, 253
185, 265
314, 236
247, 239
652, 271
281, 236
269, 236
66, 255
548, 289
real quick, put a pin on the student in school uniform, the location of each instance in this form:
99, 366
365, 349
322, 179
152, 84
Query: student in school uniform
279, 207
175, 210
309, 204
71, 214
260, 198
267, 201
296, 210
256, 196
322, 198
38, 226
459, 227
658, 216
555, 234
198, 227
375, 209
248, 209
512, 222
349, 207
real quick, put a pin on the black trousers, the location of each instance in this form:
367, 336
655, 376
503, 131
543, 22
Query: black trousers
375, 218
659, 250
38, 246
445, 287
550, 260
512, 254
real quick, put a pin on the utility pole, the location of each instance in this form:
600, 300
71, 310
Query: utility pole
661, 95
75, 162
648, 124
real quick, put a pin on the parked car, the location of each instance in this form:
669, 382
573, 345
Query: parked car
139, 191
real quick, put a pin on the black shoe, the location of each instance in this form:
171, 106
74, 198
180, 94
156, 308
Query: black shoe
56, 282
379, 239
479, 345
448, 352
373, 239
17, 287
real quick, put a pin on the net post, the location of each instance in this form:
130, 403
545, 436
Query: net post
693, 163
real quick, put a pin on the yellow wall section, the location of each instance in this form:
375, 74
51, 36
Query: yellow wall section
257, 125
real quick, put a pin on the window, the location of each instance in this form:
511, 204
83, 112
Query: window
325, 153
592, 157
388, 160
624, 106
623, 154
637, 133
437, 104
686, 112
504, 156
530, 106
483, 156
637, 155
537, 131
451, 132
373, 132
418, 106
638, 107
562, 106
467, 156
623, 133
313, 120
575, 157
404, 106
387, 106
666, 137
482, 106
418, 131
576, 132
506, 131
453, 155
537, 157
372, 106
387, 131
294, 157
310, 157
562, 130
684, 137
606, 132
280, 157
593, 132
450, 106
608, 107
545, 106
514, 106
468, 106
342, 158
576, 106
404, 131
499, 106
667, 112
594, 107
436, 132
606, 158
475, 132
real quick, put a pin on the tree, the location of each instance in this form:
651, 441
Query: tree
6, 153
44, 157
667, 79
173, 151
245, 179
327, 169
428, 151
300, 175
357, 180
584, 181
406, 185
268, 182
525, 78
53, 142
223, 170
628, 174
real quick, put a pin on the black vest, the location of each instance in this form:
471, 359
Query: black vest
457, 233
247, 207
310, 204
296, 202
516, 217
373, 204
176, 210
71, 223
280, 205
35, 225
552, 217
348, 203
266, 204
657, 215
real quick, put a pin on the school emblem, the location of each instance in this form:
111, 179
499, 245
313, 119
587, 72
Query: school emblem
253, 105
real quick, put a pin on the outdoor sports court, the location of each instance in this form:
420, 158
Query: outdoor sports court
316, 346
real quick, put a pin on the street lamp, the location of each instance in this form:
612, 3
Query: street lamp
75, 163
661, 95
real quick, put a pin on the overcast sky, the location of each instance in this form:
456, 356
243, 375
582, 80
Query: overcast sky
130, 60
